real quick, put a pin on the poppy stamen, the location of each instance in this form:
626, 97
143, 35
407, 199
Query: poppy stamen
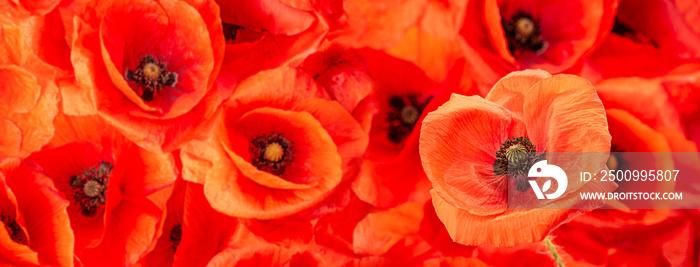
523, 32
403, 116
514, 159
176, 236
90, 188
150, 76
272, 153
13, 229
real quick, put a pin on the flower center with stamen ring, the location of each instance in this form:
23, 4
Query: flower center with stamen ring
515, 158
272, 153
150, 76
13, 229
90, 188
403, 114
523, 33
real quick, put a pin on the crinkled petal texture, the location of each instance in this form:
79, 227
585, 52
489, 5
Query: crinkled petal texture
41, 234
185, 36
123, 228
326, 145
458, 146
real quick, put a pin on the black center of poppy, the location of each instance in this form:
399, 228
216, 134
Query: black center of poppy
150, 76
615, 161
230, 31
403, 115
13, 229
622, 29
90, 188
523, 32
515, 158
272, 153
175, 236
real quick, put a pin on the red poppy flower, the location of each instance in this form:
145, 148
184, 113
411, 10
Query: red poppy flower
644, 117
36, 227
193, 232
343, 74
136, 69
525, 111
531, 254
615, 238
503, 36
392, 174
280, 148
117, 190
266, 34
682, 86
648, 39
28, 90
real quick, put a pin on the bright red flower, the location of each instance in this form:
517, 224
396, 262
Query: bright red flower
148, 71
529, 111
342, 72
118, 190
193, 232
506, 35
391, 173
280, 148
649, 38
682, 86
265, 34
633, 238
644, 116
36, 226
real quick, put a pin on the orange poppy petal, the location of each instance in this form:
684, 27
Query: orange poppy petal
315, 157
564, 114
272, 15
526, 226
19, 87
11, 143
43, 212
510, 90
458, 145
379, 231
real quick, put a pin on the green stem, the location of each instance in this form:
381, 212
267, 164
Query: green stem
553, 250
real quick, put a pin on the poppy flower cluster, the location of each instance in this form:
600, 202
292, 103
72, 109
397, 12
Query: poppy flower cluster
340, 132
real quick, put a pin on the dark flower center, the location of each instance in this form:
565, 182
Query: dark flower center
150, 76
230, 31
523, 32
272, 153
515, 158
615, 161
175, 236
90, 188
629, 33
403, 115
13, 229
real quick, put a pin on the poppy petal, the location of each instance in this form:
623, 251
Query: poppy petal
458, 145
